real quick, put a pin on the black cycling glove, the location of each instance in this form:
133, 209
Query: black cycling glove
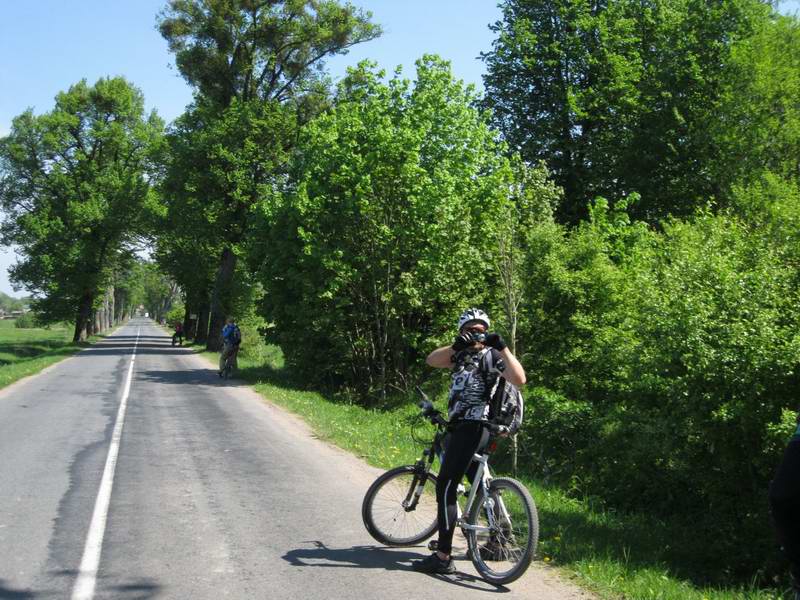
494, 340
462, 342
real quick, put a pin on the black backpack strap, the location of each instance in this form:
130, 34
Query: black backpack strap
494, 400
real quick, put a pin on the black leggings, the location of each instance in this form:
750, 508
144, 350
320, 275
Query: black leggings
462, 443
784, 499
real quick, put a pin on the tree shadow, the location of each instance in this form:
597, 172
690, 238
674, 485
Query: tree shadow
377, 557
142, 588
133, 338
274, 376
8, 593
124, 349
30, 351
188, 377
634, 540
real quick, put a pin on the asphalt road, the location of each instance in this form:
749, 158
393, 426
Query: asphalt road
215, 493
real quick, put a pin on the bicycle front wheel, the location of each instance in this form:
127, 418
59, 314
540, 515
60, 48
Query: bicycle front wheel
396, 512
503, 545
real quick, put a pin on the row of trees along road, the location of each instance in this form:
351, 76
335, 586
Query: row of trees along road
252, 65
76, 191
628, 210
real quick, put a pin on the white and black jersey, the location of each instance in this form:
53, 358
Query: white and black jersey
475, 376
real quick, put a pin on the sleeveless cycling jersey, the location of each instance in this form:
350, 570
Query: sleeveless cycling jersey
474, 377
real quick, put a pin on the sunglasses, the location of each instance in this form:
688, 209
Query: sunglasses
478, 329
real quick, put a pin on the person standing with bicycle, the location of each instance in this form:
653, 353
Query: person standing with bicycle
231, 339
477, 359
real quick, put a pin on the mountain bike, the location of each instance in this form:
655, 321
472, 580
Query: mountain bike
230, 363
499, 519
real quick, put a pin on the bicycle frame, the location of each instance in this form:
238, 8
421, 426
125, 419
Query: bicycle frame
230, 361
483, 477
482, 480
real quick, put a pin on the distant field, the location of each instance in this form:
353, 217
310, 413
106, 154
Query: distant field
26, 351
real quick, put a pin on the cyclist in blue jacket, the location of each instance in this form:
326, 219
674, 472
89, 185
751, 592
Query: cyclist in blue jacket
231, 339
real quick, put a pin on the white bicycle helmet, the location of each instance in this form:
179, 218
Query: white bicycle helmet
473, 314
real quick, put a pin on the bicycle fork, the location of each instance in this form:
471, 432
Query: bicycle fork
417, 486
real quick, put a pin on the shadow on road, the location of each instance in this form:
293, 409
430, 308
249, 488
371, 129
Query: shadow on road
187, 377
7, 593
137, 589
377, 557
121, 349
124, 344
133, 338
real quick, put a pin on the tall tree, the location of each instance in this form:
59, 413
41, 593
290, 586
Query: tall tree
561, 81
256, 66
388, 232
620, 96
160, 291
74, 185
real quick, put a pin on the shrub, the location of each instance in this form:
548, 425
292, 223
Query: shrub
26, 321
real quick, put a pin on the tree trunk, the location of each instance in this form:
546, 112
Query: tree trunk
104, 313
187, 322
82, 318
202, 324
220, 299
112, 315
119, 306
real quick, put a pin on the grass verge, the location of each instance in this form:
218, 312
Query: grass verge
615, 556
27, 351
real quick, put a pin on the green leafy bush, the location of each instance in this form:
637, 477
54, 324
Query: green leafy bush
26, 321
175, 314
667, 362
385, 239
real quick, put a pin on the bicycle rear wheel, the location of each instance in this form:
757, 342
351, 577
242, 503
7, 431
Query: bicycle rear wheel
504, 549
227, 370
390, 512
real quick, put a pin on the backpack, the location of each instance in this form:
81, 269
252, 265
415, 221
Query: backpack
506, 406
236, 335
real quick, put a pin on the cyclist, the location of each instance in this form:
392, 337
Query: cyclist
784, 498
231, 338
177, 337
477, 358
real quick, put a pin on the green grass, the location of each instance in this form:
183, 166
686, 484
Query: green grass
24, 352
616, 556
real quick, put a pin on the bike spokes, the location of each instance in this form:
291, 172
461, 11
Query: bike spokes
395, 514
508, 529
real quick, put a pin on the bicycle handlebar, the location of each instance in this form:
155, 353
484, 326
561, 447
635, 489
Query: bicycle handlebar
435, 417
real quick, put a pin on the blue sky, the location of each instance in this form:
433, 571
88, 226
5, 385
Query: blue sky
48, 45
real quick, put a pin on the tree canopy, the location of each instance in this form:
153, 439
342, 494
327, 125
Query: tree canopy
633, 96
75, 183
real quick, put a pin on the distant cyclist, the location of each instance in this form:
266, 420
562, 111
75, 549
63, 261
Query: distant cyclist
231, 339
177, 337
477, 359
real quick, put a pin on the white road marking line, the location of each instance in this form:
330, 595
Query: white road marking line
87, 573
